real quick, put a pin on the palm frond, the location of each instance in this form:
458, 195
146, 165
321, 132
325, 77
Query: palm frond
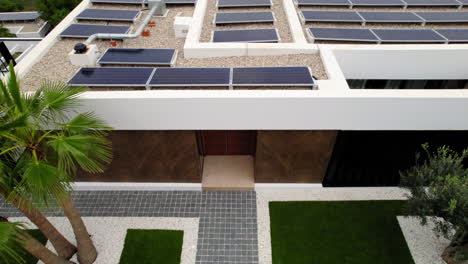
19, 121
86, 123
42, 183
58, 97
8, 240
90, 152
5, 94
14, 89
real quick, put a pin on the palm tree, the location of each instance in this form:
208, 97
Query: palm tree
13, 234
45, 141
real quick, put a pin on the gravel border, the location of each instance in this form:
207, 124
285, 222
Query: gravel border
106, 230
422, 241
315, 194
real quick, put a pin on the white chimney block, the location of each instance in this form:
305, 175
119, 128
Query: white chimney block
89, 58
181, 26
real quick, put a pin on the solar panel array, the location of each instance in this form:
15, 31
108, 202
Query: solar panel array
246, 35
244, 17
19, 16
128, 2
172, 77
243, 3
128, 56
85, 30
384, 17
375, 3
108, 15
390, 35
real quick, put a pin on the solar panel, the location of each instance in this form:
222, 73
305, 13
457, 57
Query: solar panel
377, 3
464, 2
108, 15
244, 17
382, 17
85, 30
19, 16
443, 17
180, 2
323, 3
130, 2
331, 16
126, 56
166, 77
454, 34
246, 35
343, 34
432, 3
111, 77
272, 76
408, 35
243, 3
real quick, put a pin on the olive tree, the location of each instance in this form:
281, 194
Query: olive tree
438, 186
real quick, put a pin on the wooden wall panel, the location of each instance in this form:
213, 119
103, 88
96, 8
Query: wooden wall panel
151, 156
293, 156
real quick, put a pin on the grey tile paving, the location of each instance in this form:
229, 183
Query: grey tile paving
228, 219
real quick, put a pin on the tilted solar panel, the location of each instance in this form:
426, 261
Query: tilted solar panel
244, 17
108, 15
323, 3
180, 2
464, 2
382, 17
85, 30
272, 76
331, 16
19, 16
243, 3
131, 2
442, 17
343, 34
377, 3
138, 56
166, 77
430, 3
111, 77
246, 35
454, 34
408, 35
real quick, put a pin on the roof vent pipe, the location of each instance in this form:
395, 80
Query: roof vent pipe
80, 48
155, 5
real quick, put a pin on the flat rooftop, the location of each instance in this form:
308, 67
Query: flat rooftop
294, 47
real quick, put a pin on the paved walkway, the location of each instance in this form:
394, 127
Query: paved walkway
228, 219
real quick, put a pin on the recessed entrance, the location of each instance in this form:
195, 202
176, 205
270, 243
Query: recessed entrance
228, 162
227, 142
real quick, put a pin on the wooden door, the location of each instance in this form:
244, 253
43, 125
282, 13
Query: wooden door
227, 142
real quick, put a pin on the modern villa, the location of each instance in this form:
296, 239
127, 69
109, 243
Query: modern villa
192, 97
255, 95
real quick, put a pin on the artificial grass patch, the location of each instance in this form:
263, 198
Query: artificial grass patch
152, 246
28, 258
344, 232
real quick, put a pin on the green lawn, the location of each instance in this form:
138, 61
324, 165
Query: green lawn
30, 259
152, 246
344, 232
28, 4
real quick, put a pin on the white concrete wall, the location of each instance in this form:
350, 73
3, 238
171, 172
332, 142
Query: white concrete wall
170, 110
403, 62
39, 34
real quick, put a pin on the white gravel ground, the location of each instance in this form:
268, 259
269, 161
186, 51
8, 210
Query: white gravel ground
108, 233
425, 247
423, 243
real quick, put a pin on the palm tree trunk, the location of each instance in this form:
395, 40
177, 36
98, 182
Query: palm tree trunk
87, 253
38, 250
64, 248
